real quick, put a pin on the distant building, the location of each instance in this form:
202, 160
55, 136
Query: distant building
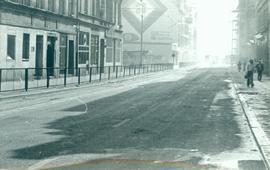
247, 29
166, 28
60, 33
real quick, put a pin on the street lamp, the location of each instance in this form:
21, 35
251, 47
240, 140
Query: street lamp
142, 17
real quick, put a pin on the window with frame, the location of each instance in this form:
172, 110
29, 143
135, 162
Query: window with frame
71, 7
23, 2
118, 50
103, 9
94, 49
109, 50
62, 7
11, 47
40, 4
93, 7
85, 7
51, 5
63, 51
26, 47
84, 47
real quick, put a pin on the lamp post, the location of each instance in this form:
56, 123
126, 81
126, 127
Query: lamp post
141, 43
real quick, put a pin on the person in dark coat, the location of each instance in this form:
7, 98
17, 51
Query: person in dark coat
250, 72
260, 68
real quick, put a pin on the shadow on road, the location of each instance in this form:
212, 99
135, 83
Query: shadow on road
162, 115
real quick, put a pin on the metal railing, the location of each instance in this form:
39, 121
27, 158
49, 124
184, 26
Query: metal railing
12, 79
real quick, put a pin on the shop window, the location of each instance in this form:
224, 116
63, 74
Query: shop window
26, 46
83, 47
109, 52
63, 51
11, 47
94, 49
117, 50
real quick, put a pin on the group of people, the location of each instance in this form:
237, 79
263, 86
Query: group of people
251, 68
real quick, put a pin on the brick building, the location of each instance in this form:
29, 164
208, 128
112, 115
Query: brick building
60, 33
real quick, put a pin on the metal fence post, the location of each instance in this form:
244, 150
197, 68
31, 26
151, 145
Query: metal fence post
0, 80
90, 74
129, 70
124, 74
135, 70
79, 76
26, 79
100, 74
48, 78
65, 77
109, 73
116, 72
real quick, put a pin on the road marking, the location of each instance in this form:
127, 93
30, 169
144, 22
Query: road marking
121, 123
84, 103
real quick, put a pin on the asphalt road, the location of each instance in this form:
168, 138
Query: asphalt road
166, 121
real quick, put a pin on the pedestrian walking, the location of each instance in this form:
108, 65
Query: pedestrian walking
260, 68
239, 65
249, 73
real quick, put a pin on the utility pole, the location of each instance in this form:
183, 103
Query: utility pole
142, 17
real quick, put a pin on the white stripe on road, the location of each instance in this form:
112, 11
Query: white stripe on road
84, 103
121, 123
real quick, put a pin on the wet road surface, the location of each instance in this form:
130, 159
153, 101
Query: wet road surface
190, 123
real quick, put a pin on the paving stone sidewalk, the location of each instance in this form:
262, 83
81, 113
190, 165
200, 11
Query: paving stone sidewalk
256, 104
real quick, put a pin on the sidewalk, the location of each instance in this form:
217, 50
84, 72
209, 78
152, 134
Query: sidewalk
256, 104
55, 89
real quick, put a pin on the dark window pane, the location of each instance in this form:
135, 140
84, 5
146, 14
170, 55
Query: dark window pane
11, 46
26, 46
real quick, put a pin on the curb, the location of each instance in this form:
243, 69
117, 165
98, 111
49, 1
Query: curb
258, 133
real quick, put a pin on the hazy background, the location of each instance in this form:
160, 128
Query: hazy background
215, 26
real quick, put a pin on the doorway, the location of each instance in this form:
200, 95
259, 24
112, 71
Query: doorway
71, 57
39, 56
50, 55
102, 54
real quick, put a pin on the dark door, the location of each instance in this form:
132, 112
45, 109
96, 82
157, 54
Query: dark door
50, 55
71, 57
39, 56
102, 54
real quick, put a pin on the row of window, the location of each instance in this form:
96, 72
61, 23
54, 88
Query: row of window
11, 47
105, 9
65, 7
113, 48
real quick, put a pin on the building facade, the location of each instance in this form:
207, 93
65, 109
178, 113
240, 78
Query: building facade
60, 33
157, 31
253, 31
247, 30
262, 33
